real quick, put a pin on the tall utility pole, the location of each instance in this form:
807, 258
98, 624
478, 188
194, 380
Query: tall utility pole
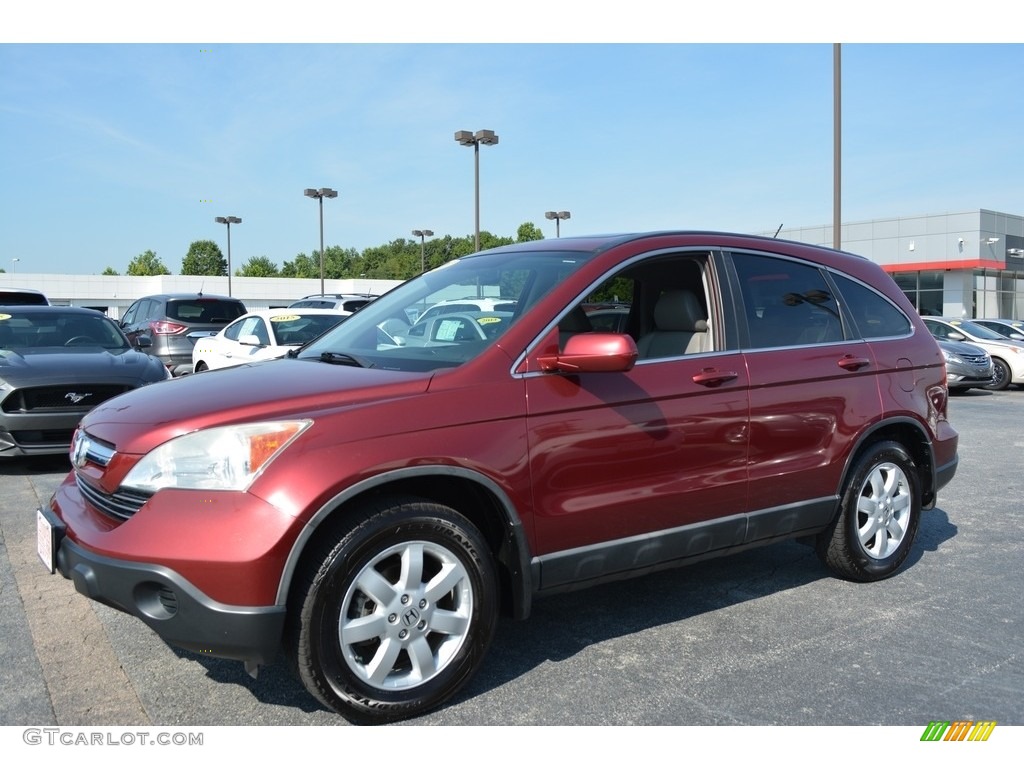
837, 144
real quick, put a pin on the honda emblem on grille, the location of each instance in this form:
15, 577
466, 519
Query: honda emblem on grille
80, 449
76, 398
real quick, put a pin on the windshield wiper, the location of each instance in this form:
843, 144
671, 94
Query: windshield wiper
342, 358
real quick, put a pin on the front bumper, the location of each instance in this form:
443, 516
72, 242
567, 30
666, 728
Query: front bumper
169, 604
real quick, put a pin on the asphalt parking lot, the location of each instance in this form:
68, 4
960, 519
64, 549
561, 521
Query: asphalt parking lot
761, 638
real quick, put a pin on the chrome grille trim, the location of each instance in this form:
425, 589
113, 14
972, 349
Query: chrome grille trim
121, 504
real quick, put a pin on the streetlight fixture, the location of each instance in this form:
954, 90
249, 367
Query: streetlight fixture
14, 265
421, 234
320, 194
474, 140
229, 220
557, 216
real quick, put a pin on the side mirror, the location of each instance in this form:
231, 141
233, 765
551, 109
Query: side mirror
592, 353
956, 336
250, 340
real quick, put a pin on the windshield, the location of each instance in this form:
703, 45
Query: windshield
447, 316
979, 331
32, 330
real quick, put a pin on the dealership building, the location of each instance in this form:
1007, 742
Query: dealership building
968, 264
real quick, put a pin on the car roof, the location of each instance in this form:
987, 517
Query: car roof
710, 238
342, 296
43, 309
190, 296
288, 311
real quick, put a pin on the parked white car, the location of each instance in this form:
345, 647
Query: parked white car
1011, 329
263, 335
1007, 355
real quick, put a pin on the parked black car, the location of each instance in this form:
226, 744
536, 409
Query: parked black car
21, 296
56, 364
173, 321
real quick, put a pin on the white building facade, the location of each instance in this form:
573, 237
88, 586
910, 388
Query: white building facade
968, 264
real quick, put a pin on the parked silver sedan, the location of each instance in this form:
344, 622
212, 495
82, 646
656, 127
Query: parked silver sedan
967, 365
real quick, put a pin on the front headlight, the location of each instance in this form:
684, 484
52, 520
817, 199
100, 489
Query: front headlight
951, 358
222, 458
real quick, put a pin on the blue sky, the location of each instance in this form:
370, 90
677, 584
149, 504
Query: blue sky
109, 149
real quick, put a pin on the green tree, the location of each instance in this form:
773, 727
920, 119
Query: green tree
487, 240
109, 271
397, 260
302, 266
204, 257
258, 266
528, 231
147, 263
338, 262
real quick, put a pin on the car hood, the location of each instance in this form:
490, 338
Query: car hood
40, 367
139, 420
961, 347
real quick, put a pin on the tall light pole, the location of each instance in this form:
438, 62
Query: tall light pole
229, 220
320, 194
421, 234
474, 140
557, 216
14, 265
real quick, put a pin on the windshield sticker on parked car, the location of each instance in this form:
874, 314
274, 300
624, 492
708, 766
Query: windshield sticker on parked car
283, 318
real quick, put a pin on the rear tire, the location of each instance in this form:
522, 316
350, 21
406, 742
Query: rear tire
879, 513
394, 613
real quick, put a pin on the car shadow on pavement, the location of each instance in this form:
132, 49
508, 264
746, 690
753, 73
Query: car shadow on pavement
562, 626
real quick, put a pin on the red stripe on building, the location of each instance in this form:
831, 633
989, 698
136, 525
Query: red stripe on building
945, 265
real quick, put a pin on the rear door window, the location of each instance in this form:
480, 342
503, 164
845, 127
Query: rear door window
786, 303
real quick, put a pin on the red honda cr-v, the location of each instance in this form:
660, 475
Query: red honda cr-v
372, 503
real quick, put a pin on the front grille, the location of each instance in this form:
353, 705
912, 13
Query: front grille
978, 361
34, 438
121, 504
66, 397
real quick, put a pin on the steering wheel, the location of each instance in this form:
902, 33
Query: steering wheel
75, 340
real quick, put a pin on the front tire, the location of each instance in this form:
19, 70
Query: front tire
395, 613
1001, 375
879, 513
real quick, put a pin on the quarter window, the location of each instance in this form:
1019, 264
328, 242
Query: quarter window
876, 317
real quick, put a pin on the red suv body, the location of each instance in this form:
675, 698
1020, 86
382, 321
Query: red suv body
371, 506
